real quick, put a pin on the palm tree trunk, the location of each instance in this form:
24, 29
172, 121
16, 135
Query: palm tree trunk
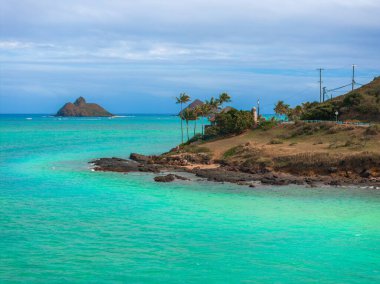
180, 116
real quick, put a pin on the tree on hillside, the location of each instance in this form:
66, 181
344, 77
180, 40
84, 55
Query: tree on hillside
233, 122
203, 111
281, 108
295, 113
213, 105
182, 99
187, 115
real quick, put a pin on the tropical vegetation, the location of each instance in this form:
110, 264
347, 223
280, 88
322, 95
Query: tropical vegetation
361, 104
232, 122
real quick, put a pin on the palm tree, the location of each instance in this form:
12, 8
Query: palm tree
187, 115
281, 108
203, 111
199, 111
182, 99
297, 112
224, 98
213, 104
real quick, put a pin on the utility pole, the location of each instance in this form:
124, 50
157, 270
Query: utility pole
353, 76
258, 107
324, 93
320, 83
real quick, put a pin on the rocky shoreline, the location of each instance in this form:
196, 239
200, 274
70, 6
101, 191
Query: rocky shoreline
168, 168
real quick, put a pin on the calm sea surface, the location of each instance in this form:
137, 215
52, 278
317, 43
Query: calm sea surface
61, 222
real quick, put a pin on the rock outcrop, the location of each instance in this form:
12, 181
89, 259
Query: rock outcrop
167, 166
81, 108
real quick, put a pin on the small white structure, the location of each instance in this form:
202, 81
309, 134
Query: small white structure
254, 113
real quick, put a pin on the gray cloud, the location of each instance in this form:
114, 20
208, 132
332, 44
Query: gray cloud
237, 45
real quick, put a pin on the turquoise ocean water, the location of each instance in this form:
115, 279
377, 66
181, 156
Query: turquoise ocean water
61, 222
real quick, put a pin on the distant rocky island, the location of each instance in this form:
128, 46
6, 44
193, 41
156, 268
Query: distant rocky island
81, 108
192, 106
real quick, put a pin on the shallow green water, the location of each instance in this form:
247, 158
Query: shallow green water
61, 222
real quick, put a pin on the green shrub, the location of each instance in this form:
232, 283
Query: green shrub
324, 111
234, 122
268, 124
368, 108
352, 99
194, 139
211, 132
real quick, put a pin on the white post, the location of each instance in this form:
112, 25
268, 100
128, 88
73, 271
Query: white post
254, 112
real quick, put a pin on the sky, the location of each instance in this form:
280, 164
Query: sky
137, 56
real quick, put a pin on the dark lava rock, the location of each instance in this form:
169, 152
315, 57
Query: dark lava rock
181, 178
274, 181
140, 158
332, 170
81, 108
297, 181
221, 175
169, 178
365, 174
123, 165
149, 168
335, 183
115, 165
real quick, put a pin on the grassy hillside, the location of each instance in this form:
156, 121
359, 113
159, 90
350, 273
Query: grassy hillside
287, 139
300, 148
361, 104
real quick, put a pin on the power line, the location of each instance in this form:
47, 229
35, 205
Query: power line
323, 92
332, 90
352, 84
